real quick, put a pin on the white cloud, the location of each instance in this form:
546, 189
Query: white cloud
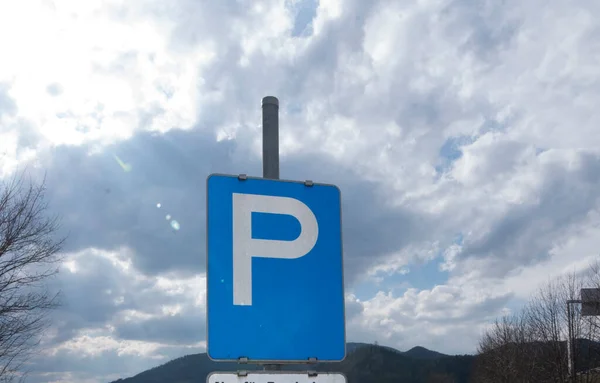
429, 318
573, 255
79, 74
87, 346
109, 307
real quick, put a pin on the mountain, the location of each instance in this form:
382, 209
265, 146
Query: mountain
352, 346
423, 353
383, 364
364, 363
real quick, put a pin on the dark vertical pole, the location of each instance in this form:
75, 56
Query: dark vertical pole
572, 341
270, 152
570, 344
270, 137
574, 350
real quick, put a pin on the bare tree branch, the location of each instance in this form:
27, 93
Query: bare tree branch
28, 257
531, 346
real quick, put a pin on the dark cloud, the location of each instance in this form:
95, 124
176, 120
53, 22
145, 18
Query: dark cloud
98, 292
88, 296
528, 231
106, 207
110, 207
494, 29
353, 309
181, 329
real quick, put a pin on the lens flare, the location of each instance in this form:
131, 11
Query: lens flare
125, 166
175, 225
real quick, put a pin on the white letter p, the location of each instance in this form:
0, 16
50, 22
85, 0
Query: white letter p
245, 247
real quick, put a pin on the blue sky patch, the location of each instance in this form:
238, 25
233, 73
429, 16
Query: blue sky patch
420, 276
451, 151
306, 12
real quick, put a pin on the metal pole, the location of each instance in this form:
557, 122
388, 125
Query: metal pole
571, 348
570, 355
270, 137
270, 153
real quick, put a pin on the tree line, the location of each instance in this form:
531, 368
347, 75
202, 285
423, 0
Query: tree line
531, 345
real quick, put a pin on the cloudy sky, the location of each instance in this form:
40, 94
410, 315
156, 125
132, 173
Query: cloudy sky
460, 132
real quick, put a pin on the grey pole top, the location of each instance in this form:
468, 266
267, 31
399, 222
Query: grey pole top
270, 137
271, 100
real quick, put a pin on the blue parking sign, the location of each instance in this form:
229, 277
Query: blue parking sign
275, 290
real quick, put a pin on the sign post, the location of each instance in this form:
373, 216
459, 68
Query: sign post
270, 153
275, 289
571, 357
590, 306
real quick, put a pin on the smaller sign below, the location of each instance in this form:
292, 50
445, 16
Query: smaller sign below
590, 302
275, 377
